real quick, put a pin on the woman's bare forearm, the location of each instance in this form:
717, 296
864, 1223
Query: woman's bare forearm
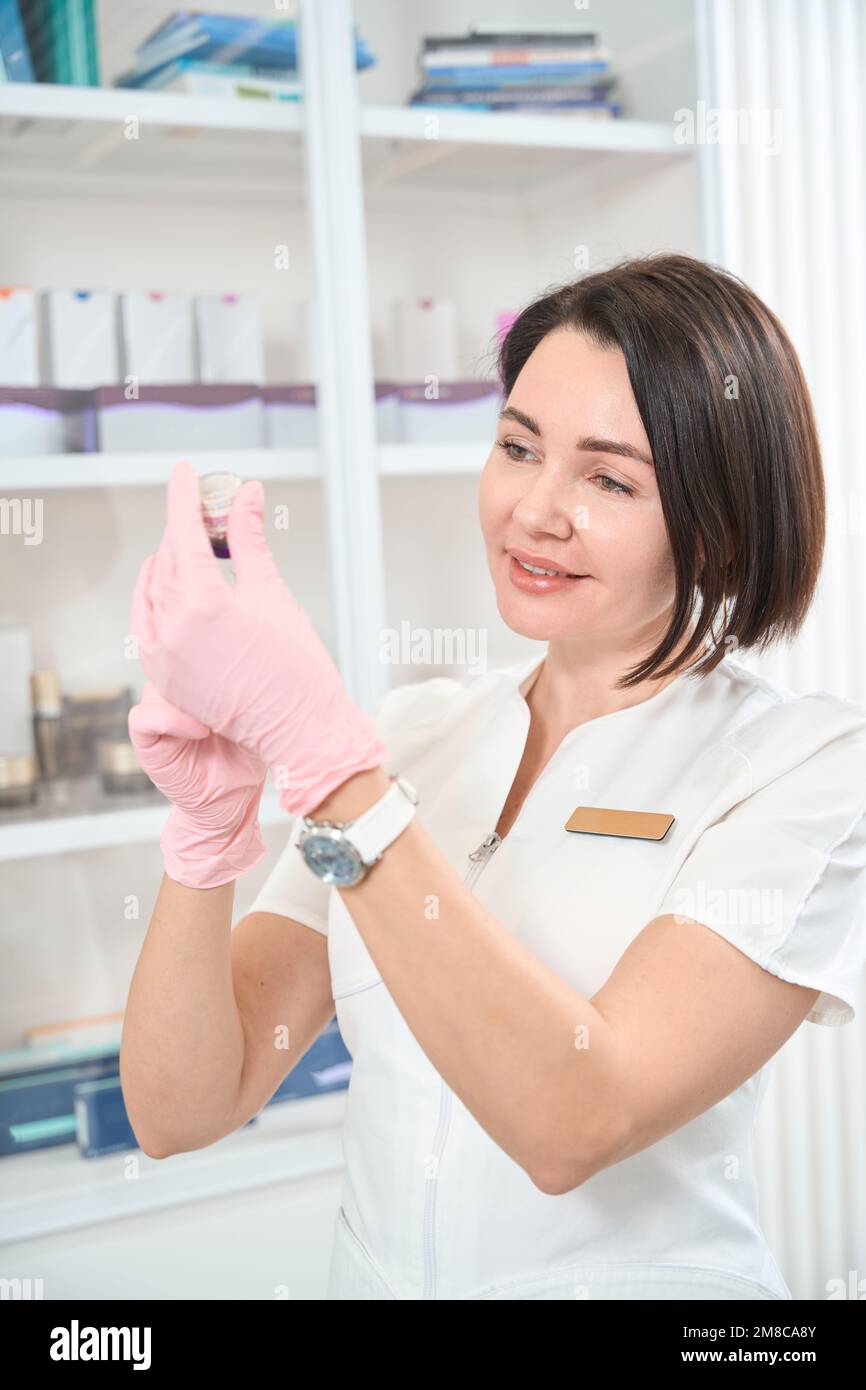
182, 1051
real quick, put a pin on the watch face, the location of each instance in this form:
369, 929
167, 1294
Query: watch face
331, 858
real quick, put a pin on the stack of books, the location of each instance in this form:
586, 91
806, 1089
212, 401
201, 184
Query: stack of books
224, 56
522, 67
49, 41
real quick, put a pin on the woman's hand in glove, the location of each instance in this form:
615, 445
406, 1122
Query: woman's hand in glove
244, 659
212, 833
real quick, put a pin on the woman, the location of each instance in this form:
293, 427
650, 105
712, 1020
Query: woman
559, 1036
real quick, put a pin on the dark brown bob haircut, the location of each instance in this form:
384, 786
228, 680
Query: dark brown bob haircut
729, 418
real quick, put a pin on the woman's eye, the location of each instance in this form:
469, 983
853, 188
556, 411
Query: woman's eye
507, 445
619, 489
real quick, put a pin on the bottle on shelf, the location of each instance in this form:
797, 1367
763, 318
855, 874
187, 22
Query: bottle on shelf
48, 723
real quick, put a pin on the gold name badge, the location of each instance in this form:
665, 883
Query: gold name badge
634, 825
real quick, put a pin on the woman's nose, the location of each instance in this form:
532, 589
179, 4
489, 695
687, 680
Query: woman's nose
548, 503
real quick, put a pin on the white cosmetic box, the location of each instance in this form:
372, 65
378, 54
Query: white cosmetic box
78, 338
229, 338
175, 418
157, 344
42, 420
451, 412
291, 419
19, 350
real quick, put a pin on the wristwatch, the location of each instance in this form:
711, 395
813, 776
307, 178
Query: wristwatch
343, 852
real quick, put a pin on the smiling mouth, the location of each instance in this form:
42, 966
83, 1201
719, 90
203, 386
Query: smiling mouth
544, 573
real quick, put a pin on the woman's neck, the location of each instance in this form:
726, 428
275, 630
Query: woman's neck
559, 701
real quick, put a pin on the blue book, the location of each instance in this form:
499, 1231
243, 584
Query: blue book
229, 39
573, 92
15, 64
503, 74
58, 1094
162, 76
613, 108
101, 1123
325, 1066
37, 1108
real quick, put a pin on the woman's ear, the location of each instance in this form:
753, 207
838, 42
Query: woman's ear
701, 561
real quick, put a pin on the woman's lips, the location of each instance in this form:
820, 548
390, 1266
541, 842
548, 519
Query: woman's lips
539, 583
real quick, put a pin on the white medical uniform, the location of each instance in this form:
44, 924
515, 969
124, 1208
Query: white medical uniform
768, 849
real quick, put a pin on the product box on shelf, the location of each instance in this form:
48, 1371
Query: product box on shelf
42, 420
291, 420
290, 415
102, 1124
61, 1095
424, 339
90, 718
78, 338
175, 418
386, 412
229, 341
448, 412
157, 346
37, 1098
19, 344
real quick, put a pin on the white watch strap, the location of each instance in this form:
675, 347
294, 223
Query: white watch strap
373, 831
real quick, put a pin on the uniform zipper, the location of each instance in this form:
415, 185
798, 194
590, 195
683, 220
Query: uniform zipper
478, 858
481, 855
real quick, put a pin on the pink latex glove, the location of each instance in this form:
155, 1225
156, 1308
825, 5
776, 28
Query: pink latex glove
244, 659
212, 834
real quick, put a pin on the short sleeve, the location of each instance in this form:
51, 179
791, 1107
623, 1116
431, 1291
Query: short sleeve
406, 718
782, 875
291, 890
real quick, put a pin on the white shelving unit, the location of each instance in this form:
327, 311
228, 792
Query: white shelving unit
79, 135
53, 471
54, 1189
73, 139
337, 164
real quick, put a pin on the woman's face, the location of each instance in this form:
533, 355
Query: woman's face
554, 487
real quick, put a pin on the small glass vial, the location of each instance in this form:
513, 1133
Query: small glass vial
217, 494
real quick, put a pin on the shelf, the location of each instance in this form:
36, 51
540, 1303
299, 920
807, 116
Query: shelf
54, 101
45, 471
136, 469
23, 836
84, 141
532, 130
73, 141
56, 1189
431, 460
473, 154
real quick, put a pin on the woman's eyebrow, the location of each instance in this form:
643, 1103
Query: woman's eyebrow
614, 446
512, 413
591, 444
